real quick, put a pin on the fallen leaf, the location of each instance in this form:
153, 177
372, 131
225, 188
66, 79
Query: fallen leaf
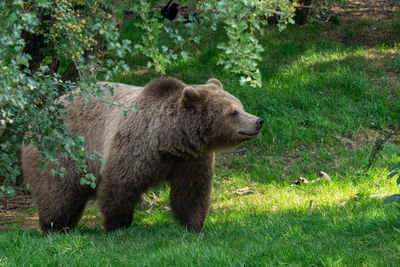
244, 190
300, 181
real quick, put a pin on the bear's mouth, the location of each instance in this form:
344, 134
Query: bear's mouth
249, 134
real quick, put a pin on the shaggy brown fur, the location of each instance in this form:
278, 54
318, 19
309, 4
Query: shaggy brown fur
173, 140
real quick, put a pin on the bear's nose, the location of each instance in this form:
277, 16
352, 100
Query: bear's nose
259, 123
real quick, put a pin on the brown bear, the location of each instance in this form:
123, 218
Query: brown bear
172, 140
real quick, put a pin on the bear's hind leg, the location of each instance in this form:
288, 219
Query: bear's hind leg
76, 215
60, 213
62, 222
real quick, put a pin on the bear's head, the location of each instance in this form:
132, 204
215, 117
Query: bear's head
217, 117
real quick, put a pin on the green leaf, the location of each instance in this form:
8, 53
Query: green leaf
42, 167
44, 3
93, 185
391, 199
53, 172
10, 191
63, 171
84, 181
97, 153
392, 174
398, 180
398, 219
394, 167
87, 101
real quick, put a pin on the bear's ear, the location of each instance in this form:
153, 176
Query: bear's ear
191, 98
216, 82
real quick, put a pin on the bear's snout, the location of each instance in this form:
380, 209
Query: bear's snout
259, 123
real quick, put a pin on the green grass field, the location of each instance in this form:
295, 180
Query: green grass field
325, 100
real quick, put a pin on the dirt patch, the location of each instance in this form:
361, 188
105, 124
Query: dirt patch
368, 8
362, 138
365, 22
20, 201
18, 211
17, 219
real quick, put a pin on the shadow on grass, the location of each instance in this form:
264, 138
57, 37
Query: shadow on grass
360, 231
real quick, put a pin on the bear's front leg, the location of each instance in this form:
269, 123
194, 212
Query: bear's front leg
191, 185
117, 203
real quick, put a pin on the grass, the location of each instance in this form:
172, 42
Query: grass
347, 226
324, 103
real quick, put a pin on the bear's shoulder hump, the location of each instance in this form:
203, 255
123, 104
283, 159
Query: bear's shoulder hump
163, 87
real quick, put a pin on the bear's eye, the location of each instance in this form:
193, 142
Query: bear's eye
234, 113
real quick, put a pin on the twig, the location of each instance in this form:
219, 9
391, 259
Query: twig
274, 11
307, 7
329, 17
3, 130
229, 8
310, 207
76, 64
77, 68
378, 147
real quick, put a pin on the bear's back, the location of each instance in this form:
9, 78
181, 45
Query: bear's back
97, 123
123, 91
